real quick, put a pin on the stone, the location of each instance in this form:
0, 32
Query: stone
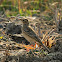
11, 28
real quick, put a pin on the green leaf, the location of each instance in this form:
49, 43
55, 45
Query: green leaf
21, 11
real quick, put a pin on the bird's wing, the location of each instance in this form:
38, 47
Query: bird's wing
31, 33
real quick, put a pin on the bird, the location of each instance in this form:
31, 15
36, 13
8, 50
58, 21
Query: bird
30, 35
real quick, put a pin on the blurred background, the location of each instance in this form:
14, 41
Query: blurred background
43, 8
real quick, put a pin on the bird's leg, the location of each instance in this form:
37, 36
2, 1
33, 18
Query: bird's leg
29, 47
36, 45
32, 45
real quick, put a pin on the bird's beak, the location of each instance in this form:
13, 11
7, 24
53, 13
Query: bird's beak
21, 21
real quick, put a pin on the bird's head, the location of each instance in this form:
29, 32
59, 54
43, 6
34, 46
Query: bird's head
24, 21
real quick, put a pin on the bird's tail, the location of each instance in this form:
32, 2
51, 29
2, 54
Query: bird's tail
43, 45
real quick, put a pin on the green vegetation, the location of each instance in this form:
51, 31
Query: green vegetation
29, 7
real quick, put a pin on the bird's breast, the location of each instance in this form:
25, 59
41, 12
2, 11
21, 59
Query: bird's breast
28, 38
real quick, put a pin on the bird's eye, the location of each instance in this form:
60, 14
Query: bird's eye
23, 20
26, 20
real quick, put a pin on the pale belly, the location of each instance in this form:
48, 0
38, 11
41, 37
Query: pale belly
31, 40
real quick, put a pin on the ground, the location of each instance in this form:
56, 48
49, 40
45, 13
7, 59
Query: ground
11, 45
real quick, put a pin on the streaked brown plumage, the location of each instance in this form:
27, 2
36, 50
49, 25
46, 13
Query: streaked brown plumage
30, 35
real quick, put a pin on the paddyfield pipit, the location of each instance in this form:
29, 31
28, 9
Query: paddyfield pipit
30, 35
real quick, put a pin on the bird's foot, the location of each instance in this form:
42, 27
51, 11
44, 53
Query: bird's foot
32, 47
